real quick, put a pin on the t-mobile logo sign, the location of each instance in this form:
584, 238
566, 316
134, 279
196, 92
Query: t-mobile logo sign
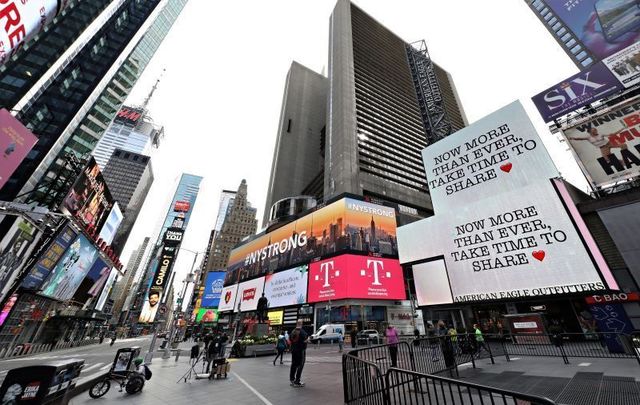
327, 272
375, 268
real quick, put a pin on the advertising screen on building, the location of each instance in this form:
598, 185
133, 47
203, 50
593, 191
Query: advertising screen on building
207, 315
347, 225
165, 264
249, 292
70, 270
110, 227
15, 248
607, 145
275, 317
499, 225
173, 236
23, 20
212, 289
287, 287
625, 65
49, 259
93, 282
182, 206
593, 83
104, 295
351, 276
129, 116
89, 200
228, 298
15, 143
603, 26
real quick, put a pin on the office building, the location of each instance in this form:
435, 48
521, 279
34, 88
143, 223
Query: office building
129, 176
132, 130
240, 222
70, 111
226, 199
122, 288
298, 161
387, 102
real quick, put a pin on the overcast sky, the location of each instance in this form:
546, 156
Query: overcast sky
226, 63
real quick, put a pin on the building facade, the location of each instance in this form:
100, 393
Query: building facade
298, 155
122, 289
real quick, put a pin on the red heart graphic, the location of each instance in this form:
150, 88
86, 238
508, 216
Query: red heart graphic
538, 254
506, 167
227, 297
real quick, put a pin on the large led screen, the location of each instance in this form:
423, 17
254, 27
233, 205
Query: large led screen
93, 282
287, 287
228, 298
347, 225
49, 259
351, 276
249, 293
212, 289
70, 270
16, 141
499, 223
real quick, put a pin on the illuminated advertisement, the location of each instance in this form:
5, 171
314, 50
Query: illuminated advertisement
275, 317
66, 277
500, 230
165, 263
343, 226
607, 145
129, 116
287, 287
89, 199
106, 290
150, 307
173, 236
49, 259
228, 298
207, 315
351, 276
577, 91
15, 143
603, 26
15, 248
93, 282
110, 227
6, 310
24, 20
182, 206
249, 293
212, 289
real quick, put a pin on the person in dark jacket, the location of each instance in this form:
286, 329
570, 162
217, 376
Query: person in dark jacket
354, 337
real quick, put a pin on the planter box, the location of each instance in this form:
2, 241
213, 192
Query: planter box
260, 350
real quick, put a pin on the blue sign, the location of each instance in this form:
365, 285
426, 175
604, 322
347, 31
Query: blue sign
212, 289
48, 260
611, 318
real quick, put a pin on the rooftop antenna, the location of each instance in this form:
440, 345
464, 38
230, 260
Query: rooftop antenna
153, 89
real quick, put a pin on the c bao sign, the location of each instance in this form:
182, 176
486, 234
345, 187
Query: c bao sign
500, 229
351, 276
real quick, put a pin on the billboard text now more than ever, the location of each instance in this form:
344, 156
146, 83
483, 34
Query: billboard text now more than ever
499, 225
346, 225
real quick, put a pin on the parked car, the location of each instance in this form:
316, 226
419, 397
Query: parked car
327, 333
369, 336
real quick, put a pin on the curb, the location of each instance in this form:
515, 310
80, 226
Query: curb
83, 385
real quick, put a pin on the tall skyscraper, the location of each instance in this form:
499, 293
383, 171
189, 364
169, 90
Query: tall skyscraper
132, 130
129, 177
226, 200
387, 102
239, 223
298, 161
121, 290
70, 110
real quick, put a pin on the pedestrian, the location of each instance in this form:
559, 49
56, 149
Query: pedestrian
281, 345
224, 338
433, 342
453, 335
416, 338
392, 341
354, 337
286, 340
299, 339
340, 341
480, 343
195, 353
212, 351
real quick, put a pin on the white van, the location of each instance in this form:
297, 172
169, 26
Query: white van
328, 333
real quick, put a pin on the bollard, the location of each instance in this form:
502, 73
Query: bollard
177, 354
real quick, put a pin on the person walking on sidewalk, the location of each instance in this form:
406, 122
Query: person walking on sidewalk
480, 343
340, 341
299, 339
281, 344
354, 337
392, 341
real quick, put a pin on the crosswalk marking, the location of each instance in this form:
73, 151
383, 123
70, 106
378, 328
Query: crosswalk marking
91, 367
105, 367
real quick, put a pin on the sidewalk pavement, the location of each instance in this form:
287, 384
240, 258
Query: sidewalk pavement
251, 381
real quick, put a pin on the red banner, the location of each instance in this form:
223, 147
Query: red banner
613, 297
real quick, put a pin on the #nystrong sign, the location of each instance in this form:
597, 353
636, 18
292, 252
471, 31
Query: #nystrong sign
607, 145
500, 230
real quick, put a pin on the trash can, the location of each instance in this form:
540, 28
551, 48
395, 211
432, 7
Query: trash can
44, 384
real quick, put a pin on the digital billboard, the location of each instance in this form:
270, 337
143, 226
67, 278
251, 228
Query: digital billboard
228, 298
500, 227
249, 292
182, 206
15, 142
347, 225
129, 116
102, 299
150, 306
70, 270
579, 90
89, 199
351, 276
173, 236
607, 145
15, 248
287, 287
93, 282
165, 263
603, 26
207, 315
49, 259
24, 20
212, 289
110, 227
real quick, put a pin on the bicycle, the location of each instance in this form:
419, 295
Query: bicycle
132, 382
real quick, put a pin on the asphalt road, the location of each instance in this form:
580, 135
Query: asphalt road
97, 358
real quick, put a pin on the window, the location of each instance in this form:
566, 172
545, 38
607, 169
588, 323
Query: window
289, 126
